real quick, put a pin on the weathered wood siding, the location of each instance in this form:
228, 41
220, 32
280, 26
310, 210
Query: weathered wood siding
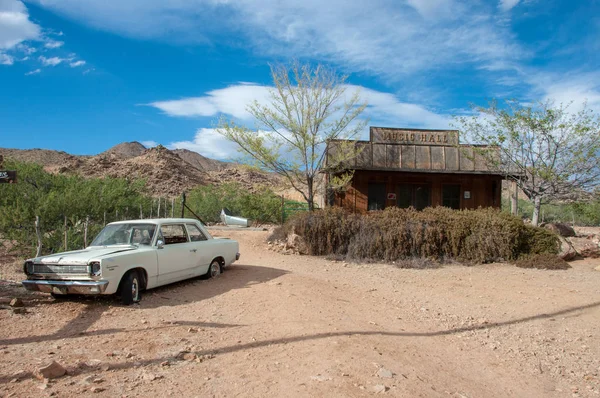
484, 189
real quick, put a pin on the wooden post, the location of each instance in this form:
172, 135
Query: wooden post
514, 198
104, 217
183, 204
38, 233
172, 207
141, 213
158, 209
151, 208
282, 209
85, 230
117, 215
65, 226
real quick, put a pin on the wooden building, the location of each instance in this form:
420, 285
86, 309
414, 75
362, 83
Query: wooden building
414, 167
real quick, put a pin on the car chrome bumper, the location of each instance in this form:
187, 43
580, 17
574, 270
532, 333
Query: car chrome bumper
66, 287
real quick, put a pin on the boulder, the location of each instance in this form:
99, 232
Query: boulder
561, 229
295, 243
567, 251
585, 247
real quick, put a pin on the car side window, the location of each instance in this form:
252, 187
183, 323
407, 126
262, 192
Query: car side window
195, 234
173, 234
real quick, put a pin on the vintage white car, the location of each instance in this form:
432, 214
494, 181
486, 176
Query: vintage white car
128, 257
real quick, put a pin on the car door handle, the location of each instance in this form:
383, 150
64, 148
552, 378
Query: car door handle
194, 250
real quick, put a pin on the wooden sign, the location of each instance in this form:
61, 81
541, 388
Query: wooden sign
8, 176
414, 136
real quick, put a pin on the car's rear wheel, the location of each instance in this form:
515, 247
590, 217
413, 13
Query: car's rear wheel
131, 288
214, 270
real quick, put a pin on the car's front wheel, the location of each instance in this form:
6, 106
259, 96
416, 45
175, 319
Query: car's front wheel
130, 288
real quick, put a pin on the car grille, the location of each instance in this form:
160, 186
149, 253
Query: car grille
60, 269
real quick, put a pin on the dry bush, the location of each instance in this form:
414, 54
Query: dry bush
477, 236
542, 261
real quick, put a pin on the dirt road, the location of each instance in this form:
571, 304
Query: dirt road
287, 325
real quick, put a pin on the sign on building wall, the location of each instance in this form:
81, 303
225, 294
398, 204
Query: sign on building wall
8, 176
414, 137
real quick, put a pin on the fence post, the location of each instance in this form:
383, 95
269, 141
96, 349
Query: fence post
65, 233
158, 209
282, 209
172, 207
38, 233
141, 213
182, 204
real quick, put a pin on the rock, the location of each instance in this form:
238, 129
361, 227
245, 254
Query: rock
52, 371
567, 251
385, 373
320, 378
16, 303
295, 243
97, 389
189, 356
585, 247
561, 229
379, 388
597, 268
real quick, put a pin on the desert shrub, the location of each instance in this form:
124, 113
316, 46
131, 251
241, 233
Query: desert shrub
261, 205
478, 236
542, 261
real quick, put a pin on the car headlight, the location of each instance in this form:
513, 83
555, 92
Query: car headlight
28, 267
95, 269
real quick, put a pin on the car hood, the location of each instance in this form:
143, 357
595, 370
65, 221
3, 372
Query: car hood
80, 257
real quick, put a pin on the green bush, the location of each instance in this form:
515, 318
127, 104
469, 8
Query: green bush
477, 236
261, 205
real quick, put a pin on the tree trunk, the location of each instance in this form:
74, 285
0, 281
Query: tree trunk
537, 204
85, 231
310, 196
38, 233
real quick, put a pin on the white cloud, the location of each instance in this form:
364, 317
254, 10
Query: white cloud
209, 143
76, 64
54, 44
149, 144
15, 26
383, 108
52, 61
33, 72
506, 5
6, 59
382, 37
231, 100
578, 88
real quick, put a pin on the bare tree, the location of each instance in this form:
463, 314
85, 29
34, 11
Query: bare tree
307, 107
551, 153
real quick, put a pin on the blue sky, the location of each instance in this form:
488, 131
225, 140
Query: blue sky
82, 76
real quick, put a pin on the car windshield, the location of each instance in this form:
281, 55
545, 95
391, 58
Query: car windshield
125, 234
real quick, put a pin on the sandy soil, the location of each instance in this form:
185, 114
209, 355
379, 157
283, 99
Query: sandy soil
287, 325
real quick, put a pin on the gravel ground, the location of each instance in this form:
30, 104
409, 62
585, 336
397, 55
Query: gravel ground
289, 325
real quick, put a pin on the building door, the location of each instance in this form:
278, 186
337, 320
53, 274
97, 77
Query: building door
376, 196
451, 196
415, 195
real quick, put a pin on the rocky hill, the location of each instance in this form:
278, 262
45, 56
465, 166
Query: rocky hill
167, 172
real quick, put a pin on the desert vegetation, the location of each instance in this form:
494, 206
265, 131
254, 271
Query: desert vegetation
471, 236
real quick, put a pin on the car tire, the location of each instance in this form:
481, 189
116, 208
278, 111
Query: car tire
214, 269
131, 288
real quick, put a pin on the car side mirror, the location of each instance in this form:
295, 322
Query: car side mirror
160, 244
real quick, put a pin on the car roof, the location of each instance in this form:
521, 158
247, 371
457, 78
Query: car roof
158, 221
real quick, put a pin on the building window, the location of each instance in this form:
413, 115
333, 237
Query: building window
415, 195
376, 196
451, 196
